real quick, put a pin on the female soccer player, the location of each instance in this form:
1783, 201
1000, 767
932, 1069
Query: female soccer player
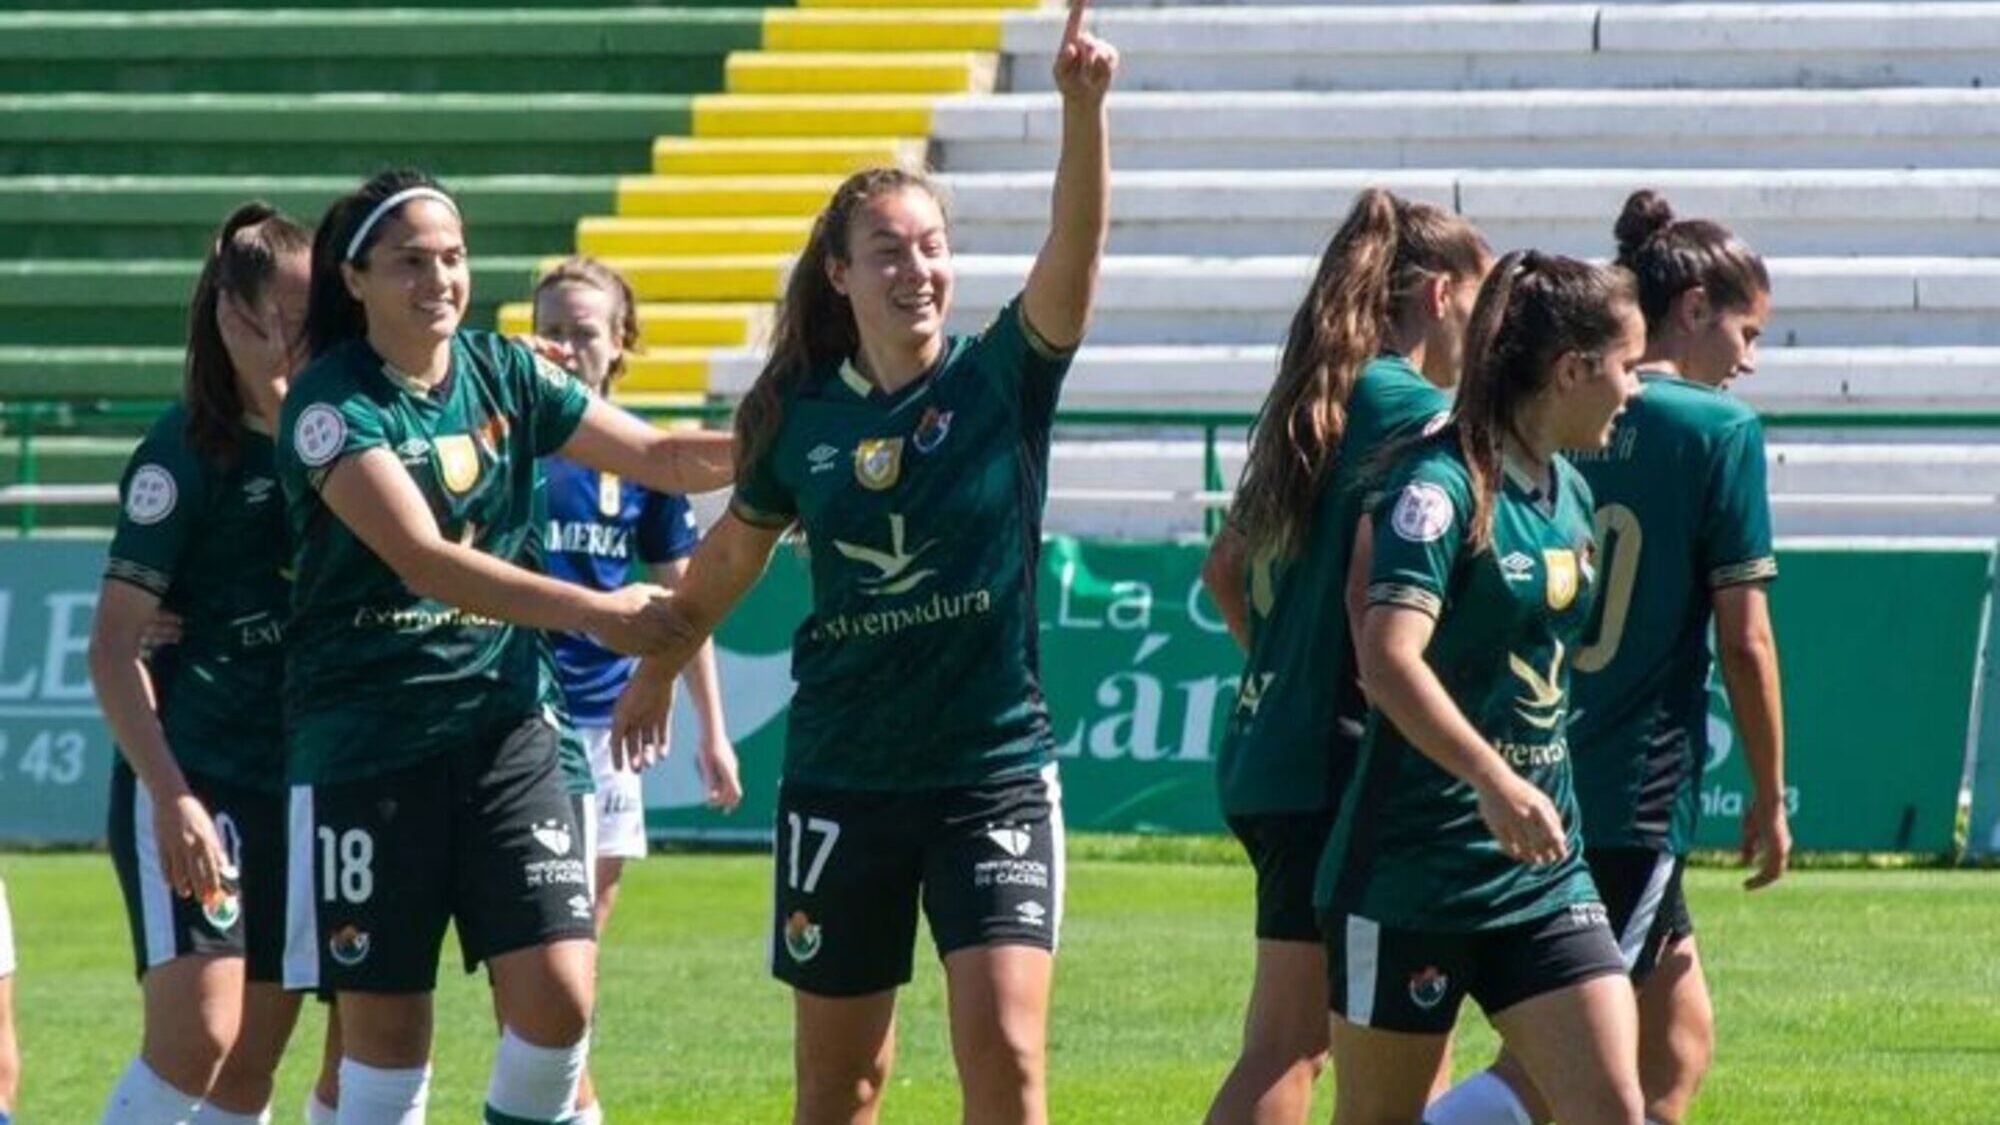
1684, 518
1380, 332
198, 807
10, 1052
1454, 866
919, 758
424, 773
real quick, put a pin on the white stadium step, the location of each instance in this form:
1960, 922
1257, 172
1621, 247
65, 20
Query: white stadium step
1424, 46
1249, 300
1228, 212
1235, 378
1496, 129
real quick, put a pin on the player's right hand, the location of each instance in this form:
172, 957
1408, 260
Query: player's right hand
638, 620
1524, 821
190, 848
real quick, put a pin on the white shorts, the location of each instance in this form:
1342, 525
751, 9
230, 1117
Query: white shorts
6, 936
621, 805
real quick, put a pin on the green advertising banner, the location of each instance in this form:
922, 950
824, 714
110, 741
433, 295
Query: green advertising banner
1877, 647
1879, 650
1982, 838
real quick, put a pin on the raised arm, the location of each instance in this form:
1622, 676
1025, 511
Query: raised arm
611, 440
1064, 276
373, 495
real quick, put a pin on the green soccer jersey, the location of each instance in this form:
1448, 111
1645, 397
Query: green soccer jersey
1683, 511
209, 542
922, 512
1289, 743
379, 678
1408, 848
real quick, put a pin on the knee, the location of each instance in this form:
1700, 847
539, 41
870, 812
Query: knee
839, 1093
1673, 1080
1001, 1060
1301, 1046
561, 1020
192, 1056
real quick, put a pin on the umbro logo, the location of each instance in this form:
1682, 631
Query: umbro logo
1031, 912
413, 450
1518, 567
822, 458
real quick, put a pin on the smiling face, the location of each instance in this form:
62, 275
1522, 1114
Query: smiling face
585, 318
897, 274
414, 281
1593, 388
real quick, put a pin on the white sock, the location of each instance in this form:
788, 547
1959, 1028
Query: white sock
533, 1083
212, 1115
373, 1096
1482, 1099
144, 1098
318, 1112
592, 1116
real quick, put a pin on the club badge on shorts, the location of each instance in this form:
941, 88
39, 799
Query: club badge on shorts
458, 461
878, 463
802, 937
1563, 584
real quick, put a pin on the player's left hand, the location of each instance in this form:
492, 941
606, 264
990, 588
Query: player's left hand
639, 719
555, 351
1085, 64
161, 630
720, 782
1767, 840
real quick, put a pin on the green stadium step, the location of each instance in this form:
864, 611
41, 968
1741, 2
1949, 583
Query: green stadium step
68, 460
305, 134
89, 373
123, 304
659, 50
167, 217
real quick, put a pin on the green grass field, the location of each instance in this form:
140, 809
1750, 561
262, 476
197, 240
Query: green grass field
1843, 996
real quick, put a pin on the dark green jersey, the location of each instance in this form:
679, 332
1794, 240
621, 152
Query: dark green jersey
378, 677
1291, 736
1683, 511
922, 511
209, 542
1409, 848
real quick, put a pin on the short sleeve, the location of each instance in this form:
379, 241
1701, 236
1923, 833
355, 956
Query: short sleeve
761, 499
1419, 525
160, 499
1028, 369
1736, 525
667, 528
552, 400
323, 428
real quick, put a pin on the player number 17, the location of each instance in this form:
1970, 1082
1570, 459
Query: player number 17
828, 831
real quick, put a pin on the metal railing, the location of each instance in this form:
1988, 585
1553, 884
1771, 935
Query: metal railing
25, 423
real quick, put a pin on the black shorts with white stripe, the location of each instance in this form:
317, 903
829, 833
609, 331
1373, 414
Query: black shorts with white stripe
247, 921
1647, 907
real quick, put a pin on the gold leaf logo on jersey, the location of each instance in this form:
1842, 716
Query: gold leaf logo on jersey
610, 496
1541, 705
878, 463
1563, 583
458, 461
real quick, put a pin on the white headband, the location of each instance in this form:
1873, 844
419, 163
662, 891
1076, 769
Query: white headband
388, 205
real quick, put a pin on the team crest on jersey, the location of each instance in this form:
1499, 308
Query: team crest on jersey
802, 937
1563, 577
458, 461
1428, 987
150, 495
932, 429
610, 496
349, 946
878, 463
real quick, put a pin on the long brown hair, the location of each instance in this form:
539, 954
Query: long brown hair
1533, 308
1382, 253
241, 261
814, 321
587, 271
1670, 256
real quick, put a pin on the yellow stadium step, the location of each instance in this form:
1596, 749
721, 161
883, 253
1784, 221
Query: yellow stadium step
790, 29
675, 325
718, 277
677, 372
919, 5
627, 238
698, 156
808, 115
859, 72
687, 197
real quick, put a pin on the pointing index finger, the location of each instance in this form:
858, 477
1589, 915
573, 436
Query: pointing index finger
1074, 27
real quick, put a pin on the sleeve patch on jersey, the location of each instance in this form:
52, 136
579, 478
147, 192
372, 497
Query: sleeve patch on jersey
1412, 597
319, 434
1437, 422
150, 495
1738, 574
134, 574
551, 372
1423, 512
757, 517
